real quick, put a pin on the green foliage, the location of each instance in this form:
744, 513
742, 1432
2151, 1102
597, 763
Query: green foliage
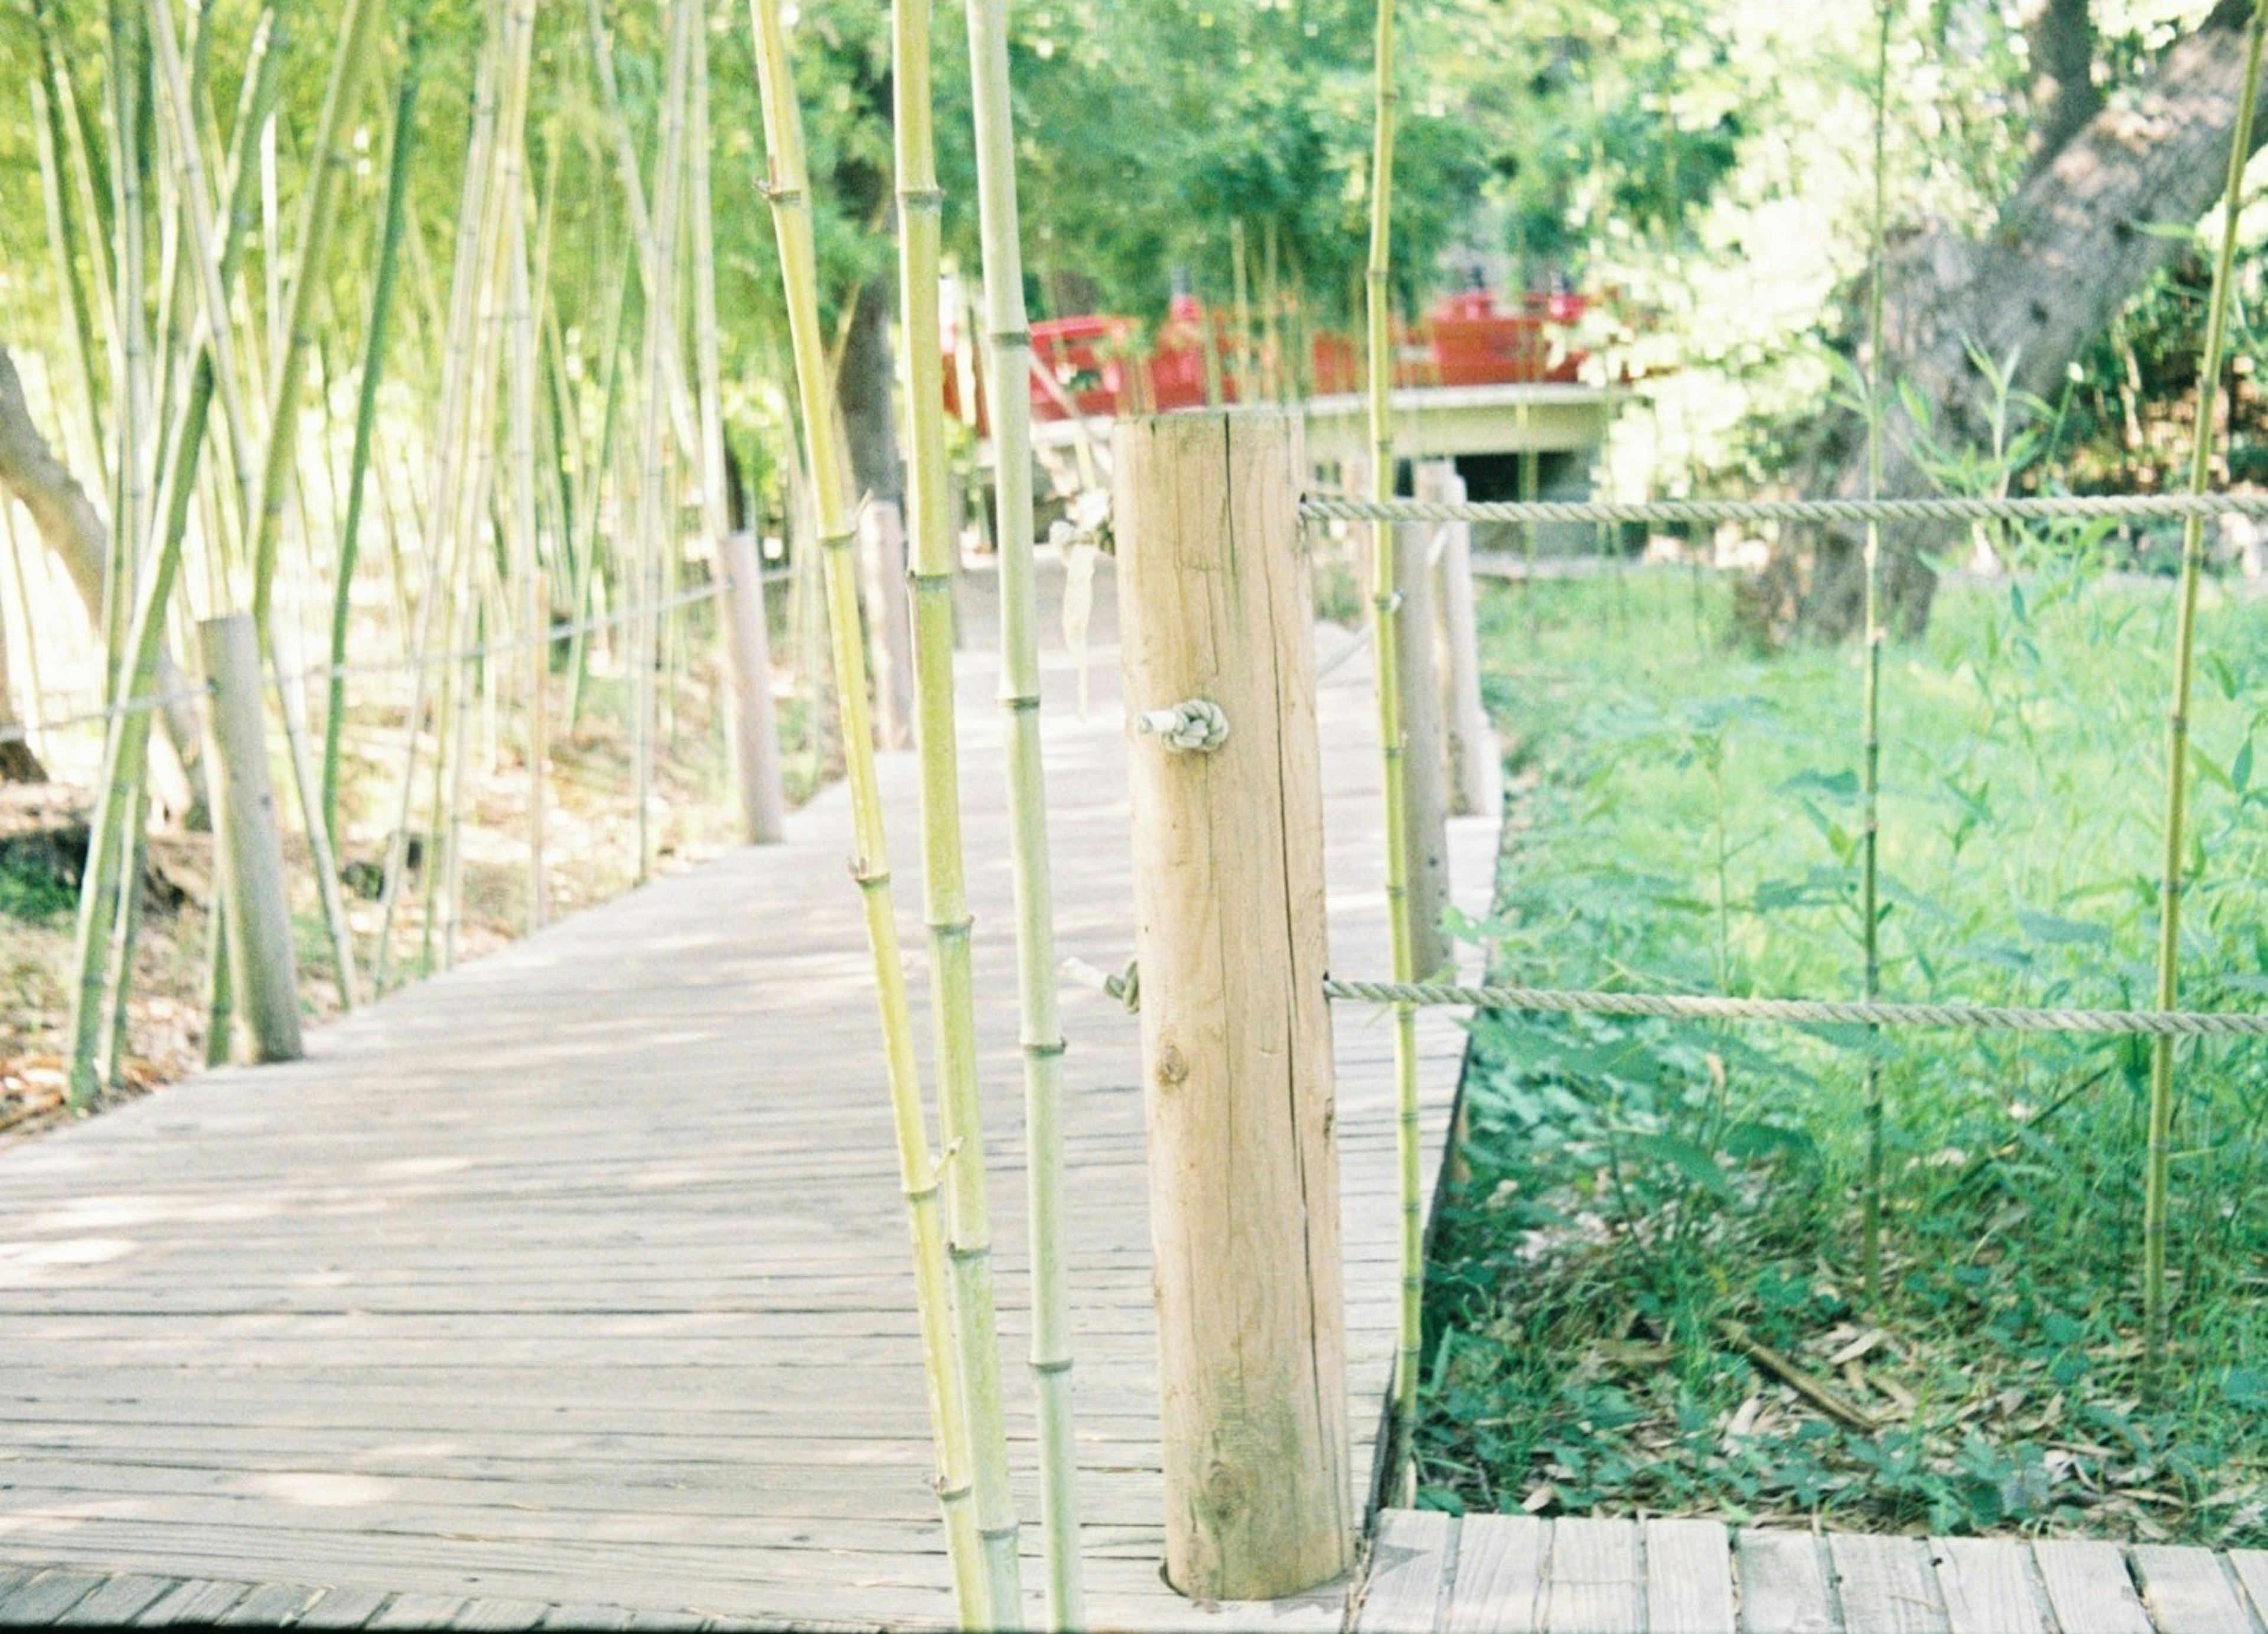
1647, 1201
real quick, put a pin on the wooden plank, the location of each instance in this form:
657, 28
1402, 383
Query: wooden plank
120, 1600
349, 1608
419, 1611
1988, 1587
192, 1600
1499, 1588
43, 1596
1783, 1584
2088, 1588
2251, 1568
2186, 1591
1593, 1580
499, 1614
1885, 1586
1410, 1572
270, 1605
595, 1617
1689, 1577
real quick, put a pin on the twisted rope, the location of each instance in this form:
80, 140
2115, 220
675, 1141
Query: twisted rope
2163, 507
2161, 1023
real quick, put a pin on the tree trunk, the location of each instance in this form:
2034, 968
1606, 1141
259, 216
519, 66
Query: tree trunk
865, 389
75, 531
2081, 235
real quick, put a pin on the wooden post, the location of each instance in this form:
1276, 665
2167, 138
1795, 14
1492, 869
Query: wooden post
1215, 605
756, 732
1425, 775
263, 971
1476, 765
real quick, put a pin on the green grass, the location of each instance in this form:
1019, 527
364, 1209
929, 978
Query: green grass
1646, 1197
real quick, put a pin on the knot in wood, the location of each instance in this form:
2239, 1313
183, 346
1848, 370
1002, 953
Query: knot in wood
1194, 725
1173, 1071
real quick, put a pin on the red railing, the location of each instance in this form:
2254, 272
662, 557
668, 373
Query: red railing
1097, 365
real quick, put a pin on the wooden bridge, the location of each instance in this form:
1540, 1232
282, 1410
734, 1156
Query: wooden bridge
571, 1290
573, 1284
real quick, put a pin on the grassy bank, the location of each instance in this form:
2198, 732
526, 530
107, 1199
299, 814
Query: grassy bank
1647, 1296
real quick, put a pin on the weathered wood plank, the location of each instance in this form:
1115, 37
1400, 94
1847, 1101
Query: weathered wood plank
270, 1605
501, 1615
39, 1597
417, 1611
1783, 1584
2088, 1588
1594, 1580
192, 1600
2186, 1591
1689, 1577
1498, 1588
1410, 1572
1885, 1586
2251, 1568
121, 1599
1988, 1587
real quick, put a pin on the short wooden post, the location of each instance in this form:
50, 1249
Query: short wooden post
263, 973
1475, 764
1425, 775
755, 732
1216, 608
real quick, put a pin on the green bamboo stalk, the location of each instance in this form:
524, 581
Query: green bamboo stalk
1009, 350
451, 448
656, 512
358, 28
2156, 1311
63, 236
787, 187
373, 368
945, 896
1871, 727
527, 556
593, 475
1387, 620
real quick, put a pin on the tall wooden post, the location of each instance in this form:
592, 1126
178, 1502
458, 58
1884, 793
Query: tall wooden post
1217, 632
1476, 765
1424, 775
756, 732
263, 973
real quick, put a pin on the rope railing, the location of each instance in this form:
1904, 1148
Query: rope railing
1317, 507
1125, 986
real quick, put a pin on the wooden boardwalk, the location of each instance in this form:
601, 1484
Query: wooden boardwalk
574, 1285
1515, 1574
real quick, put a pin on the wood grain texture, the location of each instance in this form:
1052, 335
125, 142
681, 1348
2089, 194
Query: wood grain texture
576, 1278
1885, 1584
1594, 1578
1236, 1048
1499, 1582
1689, 1577
1784, 1584
2251, 1568
1412, 1557
2088, 1587
1988, 1587
2186, 1591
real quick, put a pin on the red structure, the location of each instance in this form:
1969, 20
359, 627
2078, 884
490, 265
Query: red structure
1098, 366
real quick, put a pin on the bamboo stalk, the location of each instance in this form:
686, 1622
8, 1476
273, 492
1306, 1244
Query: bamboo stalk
526, 551
2156, 1314
46, 129
755, 731
1387, 620
787, 187
945, 898
451, 443
1040, 1030
656, 513
1871, 724
373, 367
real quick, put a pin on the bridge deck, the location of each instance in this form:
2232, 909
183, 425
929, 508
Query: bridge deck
574, 1284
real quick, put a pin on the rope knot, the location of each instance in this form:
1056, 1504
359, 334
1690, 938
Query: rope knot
1193, 726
